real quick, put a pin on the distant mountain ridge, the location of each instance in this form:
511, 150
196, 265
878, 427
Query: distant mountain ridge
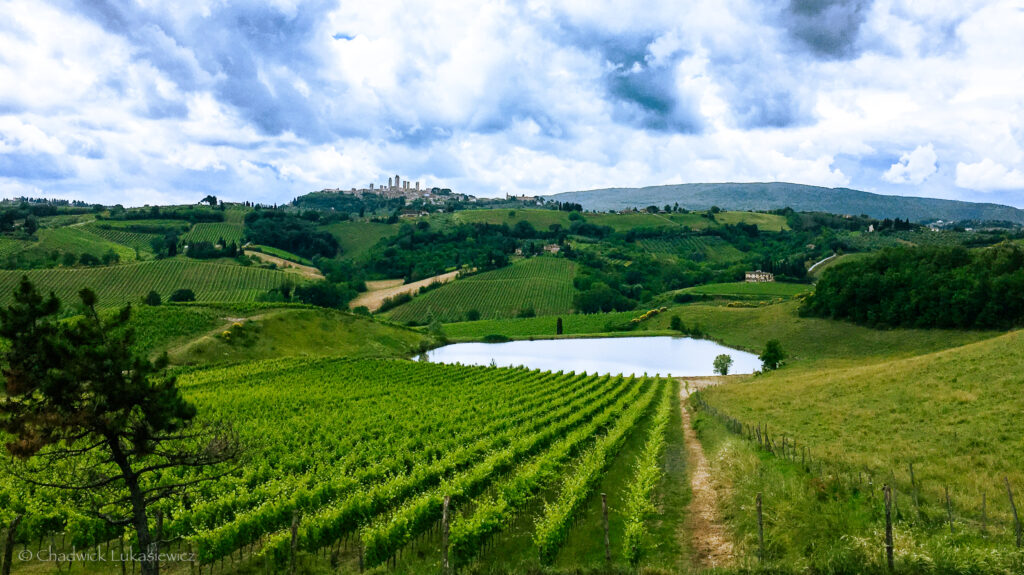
777, 195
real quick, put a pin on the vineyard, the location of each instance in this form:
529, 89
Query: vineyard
117, 285
508, 444
712, 247
543, 284
213, 232
120, 235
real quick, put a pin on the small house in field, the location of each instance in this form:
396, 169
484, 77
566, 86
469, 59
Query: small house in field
552, 248
760, 277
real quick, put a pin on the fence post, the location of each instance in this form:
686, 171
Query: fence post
604, 520
949, 510
1013, 506
296, 518
445, 568
984, 517
913, 485
760, 530
887, 491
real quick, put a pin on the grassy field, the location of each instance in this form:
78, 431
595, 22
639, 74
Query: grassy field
764, 222
540, 219
356, 238
542, 283
296, 332
117, 285
954, 414
281, 254
832, 521
744, 289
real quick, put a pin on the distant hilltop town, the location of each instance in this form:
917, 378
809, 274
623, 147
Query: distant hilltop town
398, 188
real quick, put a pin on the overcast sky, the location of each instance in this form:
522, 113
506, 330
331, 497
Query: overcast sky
156, 102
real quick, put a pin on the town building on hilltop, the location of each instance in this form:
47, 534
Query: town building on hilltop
398, 188
760, 277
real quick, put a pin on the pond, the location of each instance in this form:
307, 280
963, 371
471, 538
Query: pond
678, 356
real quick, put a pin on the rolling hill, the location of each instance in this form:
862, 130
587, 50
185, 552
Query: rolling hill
777, 195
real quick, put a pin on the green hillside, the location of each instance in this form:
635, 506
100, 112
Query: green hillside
541, 283
356, 238
116, 285
954, 414
778, 195
268, 333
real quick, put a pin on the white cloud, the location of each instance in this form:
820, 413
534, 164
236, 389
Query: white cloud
987, 176
914, 167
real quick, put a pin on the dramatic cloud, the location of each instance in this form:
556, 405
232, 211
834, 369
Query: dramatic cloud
159, 101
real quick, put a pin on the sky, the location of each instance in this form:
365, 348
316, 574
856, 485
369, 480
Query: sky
149, 102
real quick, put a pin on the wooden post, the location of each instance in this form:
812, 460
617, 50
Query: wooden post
1013, 506
913, 485
760, 530
296, 518
887, 491
949, 510
984, 517
604, 521
445, 568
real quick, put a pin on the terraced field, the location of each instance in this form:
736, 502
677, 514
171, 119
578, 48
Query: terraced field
542, 283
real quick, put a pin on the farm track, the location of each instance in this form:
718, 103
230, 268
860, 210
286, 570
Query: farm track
374, 299
704, 526
305, 271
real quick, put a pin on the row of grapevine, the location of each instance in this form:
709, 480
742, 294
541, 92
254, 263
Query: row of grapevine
553, 527
120, 284
543, 284
383, 538
329, 526
647, 473
252, 492
469, 532
243, 529
214, 231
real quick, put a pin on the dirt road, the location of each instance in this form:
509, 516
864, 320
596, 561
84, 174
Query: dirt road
707, 532
306, 271
373, 298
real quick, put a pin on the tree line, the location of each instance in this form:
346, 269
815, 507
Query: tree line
925, 287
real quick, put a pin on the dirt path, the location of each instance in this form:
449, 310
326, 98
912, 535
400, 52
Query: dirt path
306, 271
710, 540
373, 298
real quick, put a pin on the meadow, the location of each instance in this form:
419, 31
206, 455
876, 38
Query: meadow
356, 238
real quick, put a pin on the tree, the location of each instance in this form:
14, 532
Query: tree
675, 324
183, 294
84, 414
152, 299
772, 356
473, 315
212, 200
722, 364
558, 327
31, 225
